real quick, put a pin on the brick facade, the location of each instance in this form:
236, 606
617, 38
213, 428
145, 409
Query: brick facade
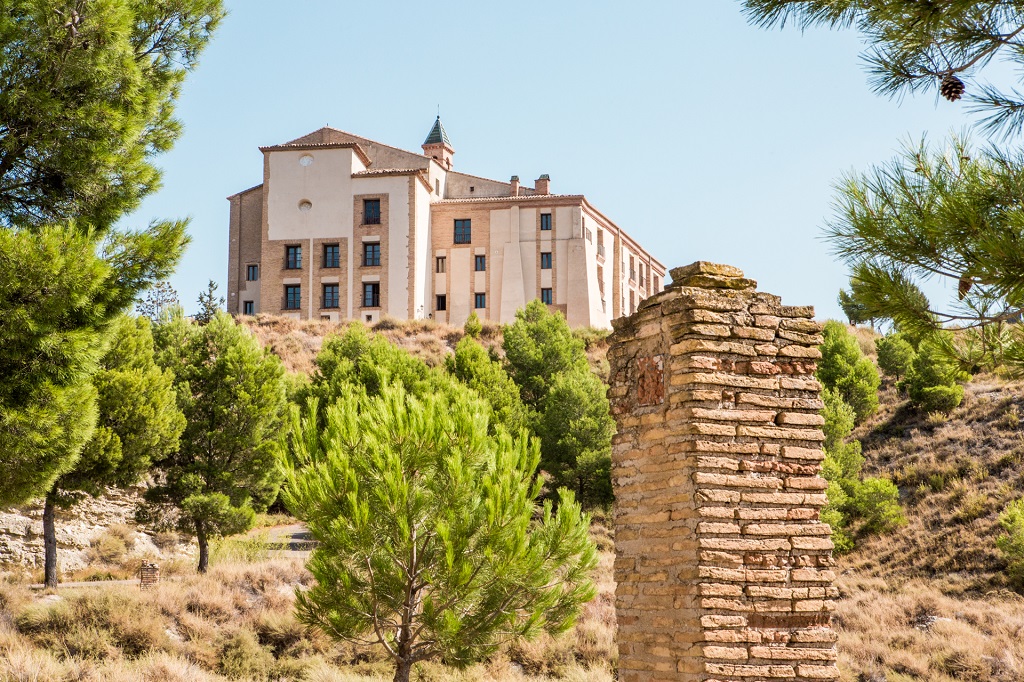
724, 570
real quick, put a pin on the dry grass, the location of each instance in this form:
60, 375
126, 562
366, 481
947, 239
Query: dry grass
237, 622
297, 342
912, 631
955, 476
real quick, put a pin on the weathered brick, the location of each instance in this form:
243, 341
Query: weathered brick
723, 568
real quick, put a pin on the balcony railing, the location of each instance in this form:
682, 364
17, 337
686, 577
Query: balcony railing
371, 219
600, 250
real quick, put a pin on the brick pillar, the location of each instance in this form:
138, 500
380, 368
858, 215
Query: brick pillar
722, 565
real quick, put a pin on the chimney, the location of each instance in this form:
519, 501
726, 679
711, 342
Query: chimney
543, 184
515, 185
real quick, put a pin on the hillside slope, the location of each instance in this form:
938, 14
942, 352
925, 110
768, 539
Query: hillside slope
955, 474
930, 601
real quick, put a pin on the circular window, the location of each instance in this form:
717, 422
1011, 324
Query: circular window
305, 205
305, 160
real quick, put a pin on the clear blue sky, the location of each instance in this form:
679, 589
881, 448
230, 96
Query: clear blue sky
702, 136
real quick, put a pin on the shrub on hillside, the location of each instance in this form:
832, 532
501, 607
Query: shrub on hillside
873, 501
844, 368
895, 355
933, 380
1012, 543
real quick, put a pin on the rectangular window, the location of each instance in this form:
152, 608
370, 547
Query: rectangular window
248, 308
252, 273
545, 221
371, 254
332, 256
371, 294
546, 296
463, 231
371, 211
545, 260
481, 263
330, 295
293, 257
480, 301
441, 264
292, 297
442, 302
600, 279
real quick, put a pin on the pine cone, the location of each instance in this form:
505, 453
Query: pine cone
952, 88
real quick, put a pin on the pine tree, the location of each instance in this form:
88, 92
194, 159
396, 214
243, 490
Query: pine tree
138, 425
431, 544
914, 46
157, 302
87, 102
539, 346
571, 413
209, 304
472, 365
232, 393
844, 368
895, 355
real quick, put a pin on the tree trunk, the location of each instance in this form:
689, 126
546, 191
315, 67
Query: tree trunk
204, 547
403, 670
50, 577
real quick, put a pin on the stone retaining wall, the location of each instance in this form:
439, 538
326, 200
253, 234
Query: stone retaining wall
724, 571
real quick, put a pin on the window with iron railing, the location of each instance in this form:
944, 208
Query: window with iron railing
332, 256
293, 257
371, 211
331, 296
463, 231
371, 294
292, 297
371, 254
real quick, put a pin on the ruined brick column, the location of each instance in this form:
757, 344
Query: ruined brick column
722, 565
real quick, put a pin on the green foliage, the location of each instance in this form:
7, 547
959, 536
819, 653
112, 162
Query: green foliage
951, 213
209, 304
539, 346
472, 365
844, 367
570, 404
855, 310
912, 46
876, 501
872, 501
88, 100
356, 360
895, 355
139, 422
1012, 543
933, 382
431, 542
473, 325
575, 430
52, 316
232, 394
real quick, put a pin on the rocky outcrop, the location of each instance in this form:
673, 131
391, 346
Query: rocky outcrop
21, 529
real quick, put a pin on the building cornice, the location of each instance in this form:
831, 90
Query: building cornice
325, 145
245, 191
384, 172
